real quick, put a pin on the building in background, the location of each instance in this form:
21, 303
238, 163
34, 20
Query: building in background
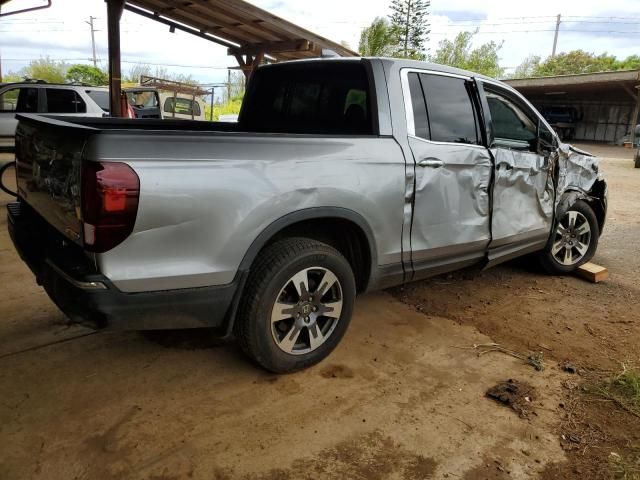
595, 107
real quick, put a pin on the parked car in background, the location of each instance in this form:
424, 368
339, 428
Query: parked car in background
563, 119
145, 102
181, 106
41, 97
340, 177
177, 100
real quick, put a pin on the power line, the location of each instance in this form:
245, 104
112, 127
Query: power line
625, 32
132, 62
455, 24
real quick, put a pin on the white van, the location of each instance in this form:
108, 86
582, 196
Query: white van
181, 106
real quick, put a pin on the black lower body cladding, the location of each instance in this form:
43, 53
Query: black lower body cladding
88, 297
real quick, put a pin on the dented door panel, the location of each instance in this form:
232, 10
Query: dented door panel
452, 203
523, 200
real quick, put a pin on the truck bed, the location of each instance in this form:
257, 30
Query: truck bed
110, 123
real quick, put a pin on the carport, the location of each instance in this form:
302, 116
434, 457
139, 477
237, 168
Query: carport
250, 34
607, 103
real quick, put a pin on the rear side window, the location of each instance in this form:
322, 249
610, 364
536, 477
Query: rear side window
420, 120
182, 106
101, 98
322, 98
20, 100
62, 100
452, 116
443, 109
509, 120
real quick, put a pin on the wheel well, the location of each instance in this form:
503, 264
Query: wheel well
595, 200
597, 195
343, 235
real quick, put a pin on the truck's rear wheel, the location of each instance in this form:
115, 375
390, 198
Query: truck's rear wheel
574, 241
296, 306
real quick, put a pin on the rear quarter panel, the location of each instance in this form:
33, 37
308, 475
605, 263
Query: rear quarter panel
205, 198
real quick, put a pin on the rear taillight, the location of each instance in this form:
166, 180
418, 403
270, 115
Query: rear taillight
110, 193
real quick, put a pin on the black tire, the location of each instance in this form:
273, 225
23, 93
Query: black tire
548, 260
269, 280
637, 160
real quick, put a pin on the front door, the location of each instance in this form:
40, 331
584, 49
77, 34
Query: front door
451, 212
523, 192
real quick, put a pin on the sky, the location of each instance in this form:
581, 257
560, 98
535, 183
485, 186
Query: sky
523, 27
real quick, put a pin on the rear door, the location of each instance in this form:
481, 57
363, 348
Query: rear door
523, 192
64, 102
15, 100
451, 214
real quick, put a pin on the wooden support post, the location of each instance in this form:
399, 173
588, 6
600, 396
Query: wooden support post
114, 13
257, 60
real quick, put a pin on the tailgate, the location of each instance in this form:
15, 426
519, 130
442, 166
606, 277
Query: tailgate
48, 169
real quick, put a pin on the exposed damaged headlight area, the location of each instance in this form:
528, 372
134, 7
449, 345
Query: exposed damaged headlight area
580, 178
577, 170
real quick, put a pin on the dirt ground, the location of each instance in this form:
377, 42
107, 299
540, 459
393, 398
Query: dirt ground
402, 397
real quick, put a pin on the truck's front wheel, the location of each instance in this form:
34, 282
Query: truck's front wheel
574, 241
296, 306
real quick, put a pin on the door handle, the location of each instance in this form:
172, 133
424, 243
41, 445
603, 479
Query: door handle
431, 163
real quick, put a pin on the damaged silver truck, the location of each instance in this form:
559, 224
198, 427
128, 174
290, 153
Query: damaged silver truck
341, 177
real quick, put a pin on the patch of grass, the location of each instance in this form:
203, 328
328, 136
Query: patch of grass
629, 384
624, 390
624, 468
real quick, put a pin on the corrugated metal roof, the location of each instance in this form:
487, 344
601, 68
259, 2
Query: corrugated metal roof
243, 28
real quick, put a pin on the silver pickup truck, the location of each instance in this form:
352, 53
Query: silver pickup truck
341, 177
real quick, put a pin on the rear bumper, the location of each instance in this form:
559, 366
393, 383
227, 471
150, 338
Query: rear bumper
88, 297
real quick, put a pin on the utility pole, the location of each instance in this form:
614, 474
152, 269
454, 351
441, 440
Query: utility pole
555, 38
228, 86
213, 93
406, 30
93, 40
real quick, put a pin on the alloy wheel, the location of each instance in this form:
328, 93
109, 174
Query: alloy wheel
306, 311
572, 239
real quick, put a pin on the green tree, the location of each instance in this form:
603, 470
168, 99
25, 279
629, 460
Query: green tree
461, 54
46, 69
139, 69
574, 62
528, 67
377, 40
87, 74
632, 62
410, 27
11, 77
134, 73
